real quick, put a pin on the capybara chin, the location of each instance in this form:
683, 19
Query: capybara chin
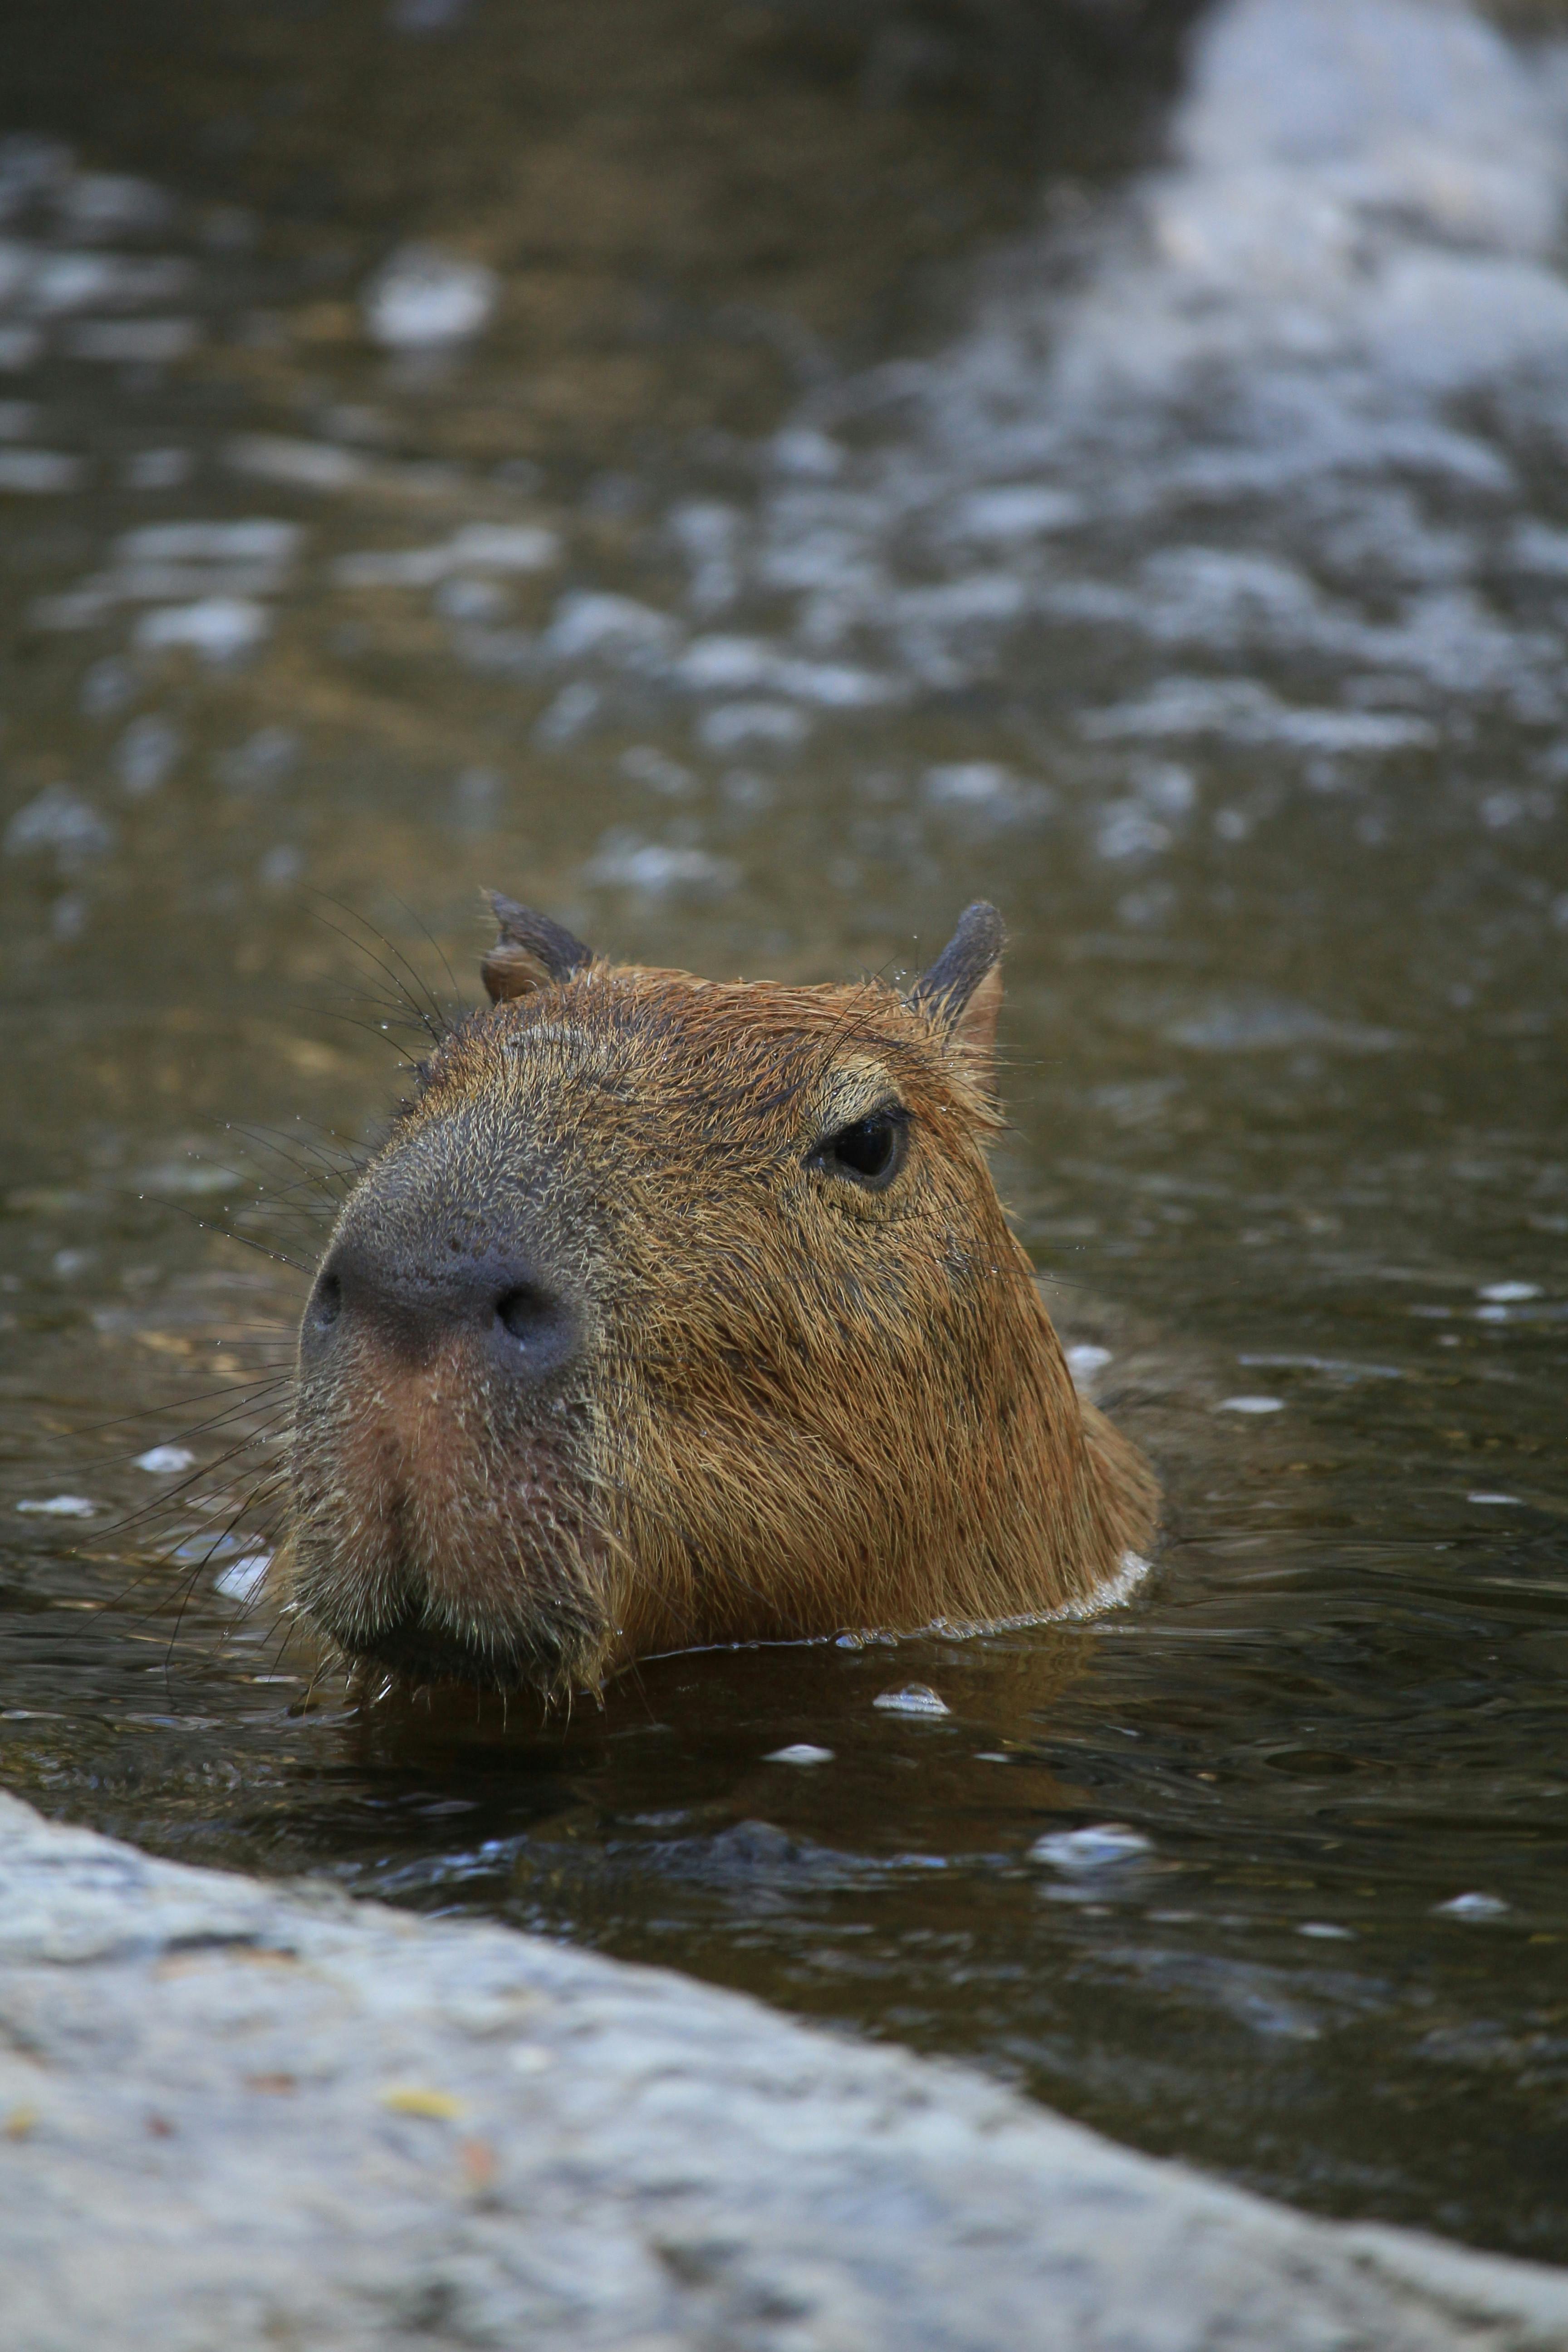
673, 1313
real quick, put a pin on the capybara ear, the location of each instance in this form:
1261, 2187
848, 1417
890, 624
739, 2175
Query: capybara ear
961, 993
532, 951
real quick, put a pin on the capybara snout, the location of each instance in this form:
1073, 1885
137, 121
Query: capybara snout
673, 1312
425, 1256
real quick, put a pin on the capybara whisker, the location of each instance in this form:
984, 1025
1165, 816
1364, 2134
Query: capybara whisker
428, 1015
429, 1012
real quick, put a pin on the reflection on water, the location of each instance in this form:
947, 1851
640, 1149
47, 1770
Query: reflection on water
1199, 595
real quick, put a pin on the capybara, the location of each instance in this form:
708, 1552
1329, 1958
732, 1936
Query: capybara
674, 1312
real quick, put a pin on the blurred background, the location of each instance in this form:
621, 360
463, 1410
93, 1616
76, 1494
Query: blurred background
750, 479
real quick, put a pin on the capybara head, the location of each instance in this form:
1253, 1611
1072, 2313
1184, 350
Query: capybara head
673, 1312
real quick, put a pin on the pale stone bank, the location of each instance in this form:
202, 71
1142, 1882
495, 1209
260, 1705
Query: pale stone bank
235, 2115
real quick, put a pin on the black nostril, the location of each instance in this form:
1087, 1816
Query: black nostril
424, 1296
526, 1313
535, 1330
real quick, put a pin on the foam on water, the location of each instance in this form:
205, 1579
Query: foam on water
1106, 1846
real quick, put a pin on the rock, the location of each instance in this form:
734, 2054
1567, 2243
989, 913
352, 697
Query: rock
253, 2116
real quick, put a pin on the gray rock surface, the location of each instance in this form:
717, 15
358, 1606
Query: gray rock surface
235, 2115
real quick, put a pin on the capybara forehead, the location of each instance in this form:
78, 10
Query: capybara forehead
780, 1060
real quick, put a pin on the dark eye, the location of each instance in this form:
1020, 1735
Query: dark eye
872, 1151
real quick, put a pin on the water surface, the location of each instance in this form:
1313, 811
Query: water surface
1187, 570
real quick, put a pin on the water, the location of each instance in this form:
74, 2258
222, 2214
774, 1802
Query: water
1187, 574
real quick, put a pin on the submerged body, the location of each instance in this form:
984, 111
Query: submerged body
672, 1313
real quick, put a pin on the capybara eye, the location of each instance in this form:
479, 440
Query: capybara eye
872, 1151
328, 1302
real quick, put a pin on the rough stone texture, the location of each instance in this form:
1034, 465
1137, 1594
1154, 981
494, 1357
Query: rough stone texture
235, 2115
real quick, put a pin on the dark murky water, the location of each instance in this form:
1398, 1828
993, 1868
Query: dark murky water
1193, 579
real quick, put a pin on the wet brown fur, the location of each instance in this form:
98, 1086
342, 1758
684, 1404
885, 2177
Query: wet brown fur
800, 1407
